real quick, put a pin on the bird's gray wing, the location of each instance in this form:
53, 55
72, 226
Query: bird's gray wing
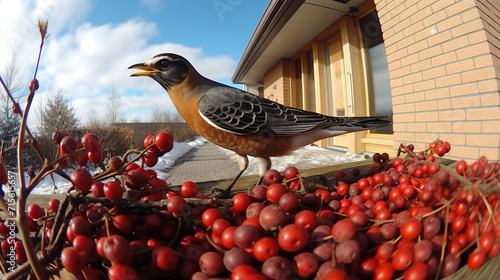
244, 113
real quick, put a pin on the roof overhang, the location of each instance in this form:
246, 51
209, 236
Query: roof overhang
286, 27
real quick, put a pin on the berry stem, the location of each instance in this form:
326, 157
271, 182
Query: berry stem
445, 237
488, 206
461, 179
334, 260
209, 239
177, 233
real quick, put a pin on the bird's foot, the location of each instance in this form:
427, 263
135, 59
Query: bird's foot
259, 181
250, 190
220, 193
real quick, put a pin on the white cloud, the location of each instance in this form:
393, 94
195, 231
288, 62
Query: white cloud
18, 20
85, 60
93, 58
154, 6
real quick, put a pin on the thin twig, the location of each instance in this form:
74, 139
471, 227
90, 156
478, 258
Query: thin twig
23, 192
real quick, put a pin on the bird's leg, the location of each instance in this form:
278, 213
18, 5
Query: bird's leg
264, 165
259, 181
243, 164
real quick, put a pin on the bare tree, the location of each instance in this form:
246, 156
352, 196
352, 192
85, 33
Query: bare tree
94, 119
57, 114
135, 119
165, 116
114, 113
13, 78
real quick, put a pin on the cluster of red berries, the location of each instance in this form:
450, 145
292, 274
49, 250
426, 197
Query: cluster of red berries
412, 218
132, 175
88, 149
157, 146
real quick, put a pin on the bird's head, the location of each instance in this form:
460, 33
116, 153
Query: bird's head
167, 69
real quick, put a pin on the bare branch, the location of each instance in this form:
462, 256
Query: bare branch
113, 106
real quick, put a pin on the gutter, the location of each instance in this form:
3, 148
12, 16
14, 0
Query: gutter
277, 14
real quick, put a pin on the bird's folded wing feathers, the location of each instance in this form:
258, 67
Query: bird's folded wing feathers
239, 112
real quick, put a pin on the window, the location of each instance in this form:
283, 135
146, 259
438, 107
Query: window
298, 83
311, 92
305, 93
379, 87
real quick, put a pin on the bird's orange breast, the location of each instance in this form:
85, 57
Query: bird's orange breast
256, 145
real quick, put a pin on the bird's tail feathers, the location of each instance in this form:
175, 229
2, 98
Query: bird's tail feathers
360, 123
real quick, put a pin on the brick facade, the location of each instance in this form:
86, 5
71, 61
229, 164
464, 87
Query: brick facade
277, 83
444, 63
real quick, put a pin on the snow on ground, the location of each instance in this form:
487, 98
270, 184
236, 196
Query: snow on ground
306, 157
164, 162
180, 149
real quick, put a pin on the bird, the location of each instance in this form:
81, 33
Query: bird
245, 123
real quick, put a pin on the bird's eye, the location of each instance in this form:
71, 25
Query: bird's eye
163, 63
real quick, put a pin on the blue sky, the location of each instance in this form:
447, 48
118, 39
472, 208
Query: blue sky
92, 42
218, 27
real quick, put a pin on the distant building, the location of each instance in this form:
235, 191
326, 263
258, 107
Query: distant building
434, 65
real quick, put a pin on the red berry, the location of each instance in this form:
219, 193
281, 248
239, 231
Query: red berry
339, 175
383, 271
54, 204
241, 201
72, 260
210, 215
85, 246
272, 176
476, 258
189, 189
292, 238
343, 189
165, 258
344, 230
305, 264
113, 190
68, 145
291, 173
116, 249
275, 191
148, 141
417, 271
119, 271
461, 167
35, 211
212, 263
82, 179
265, 248
150, 159
97, 189
441, 150
91, 142
115, 163
411, 229
402, 259
164, 141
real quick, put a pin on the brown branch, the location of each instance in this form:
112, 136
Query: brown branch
11, 97
3, 203
20, 273
23, 191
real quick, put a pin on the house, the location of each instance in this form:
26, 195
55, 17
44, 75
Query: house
434, 65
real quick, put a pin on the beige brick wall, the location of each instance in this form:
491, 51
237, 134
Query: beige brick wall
444, 63
277, 84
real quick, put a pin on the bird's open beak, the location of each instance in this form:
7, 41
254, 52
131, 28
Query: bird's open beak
147, 71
